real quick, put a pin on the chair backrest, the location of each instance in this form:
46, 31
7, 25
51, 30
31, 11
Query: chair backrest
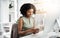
14, 32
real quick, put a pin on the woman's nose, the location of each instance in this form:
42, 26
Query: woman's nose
30, 13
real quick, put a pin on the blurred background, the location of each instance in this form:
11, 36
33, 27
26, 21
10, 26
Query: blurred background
47, 14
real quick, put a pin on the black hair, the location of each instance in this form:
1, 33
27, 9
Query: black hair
26, 7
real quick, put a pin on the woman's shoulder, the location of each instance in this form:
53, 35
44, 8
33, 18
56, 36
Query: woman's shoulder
20, 18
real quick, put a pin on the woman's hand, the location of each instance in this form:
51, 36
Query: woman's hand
32, 30
35, 31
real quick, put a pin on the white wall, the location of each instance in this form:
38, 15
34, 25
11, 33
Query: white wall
4, 11
53, 13
0, 11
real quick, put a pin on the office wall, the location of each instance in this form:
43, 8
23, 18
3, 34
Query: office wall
4, 11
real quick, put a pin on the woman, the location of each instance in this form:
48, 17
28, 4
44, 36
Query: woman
26, 22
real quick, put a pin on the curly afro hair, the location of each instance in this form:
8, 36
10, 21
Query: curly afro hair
26, 7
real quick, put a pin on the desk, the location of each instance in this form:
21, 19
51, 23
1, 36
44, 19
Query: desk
43, 35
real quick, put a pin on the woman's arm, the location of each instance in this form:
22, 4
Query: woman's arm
20, 25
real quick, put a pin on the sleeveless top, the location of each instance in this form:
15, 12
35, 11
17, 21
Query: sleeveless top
27, 23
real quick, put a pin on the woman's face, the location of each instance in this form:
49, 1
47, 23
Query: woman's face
29, 12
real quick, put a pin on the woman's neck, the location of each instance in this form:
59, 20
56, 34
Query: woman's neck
27, 17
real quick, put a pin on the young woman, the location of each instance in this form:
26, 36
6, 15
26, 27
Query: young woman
26, 22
